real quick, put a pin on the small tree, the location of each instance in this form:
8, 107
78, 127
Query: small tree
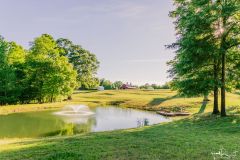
117, 84
106, 84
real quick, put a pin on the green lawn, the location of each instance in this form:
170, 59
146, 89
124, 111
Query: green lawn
195, 137
140, 99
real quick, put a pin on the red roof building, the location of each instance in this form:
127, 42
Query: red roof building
127, 86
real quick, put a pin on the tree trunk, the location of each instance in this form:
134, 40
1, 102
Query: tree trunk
51, 99
223, 54
215, 103
223, 102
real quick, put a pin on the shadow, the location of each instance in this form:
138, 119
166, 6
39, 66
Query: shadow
108, 94
85, 91
174, 108
116, 103
92, 102
158, 101
203, 107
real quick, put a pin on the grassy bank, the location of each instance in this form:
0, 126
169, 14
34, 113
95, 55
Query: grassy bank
192, 138
195, 137
140, 99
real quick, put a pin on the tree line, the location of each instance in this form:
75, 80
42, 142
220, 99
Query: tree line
108, 85
166, 85
48, 71
207, 48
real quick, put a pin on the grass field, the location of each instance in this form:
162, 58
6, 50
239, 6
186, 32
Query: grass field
198, 136
139, 99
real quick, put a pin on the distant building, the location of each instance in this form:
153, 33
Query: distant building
127, 86
100, 88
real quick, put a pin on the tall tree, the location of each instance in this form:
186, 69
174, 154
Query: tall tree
84, 62
195, 67
227, 33
8, 89
207, 31
49, 74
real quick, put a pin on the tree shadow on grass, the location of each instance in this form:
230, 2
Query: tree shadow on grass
158, 101
117, 102
85, 91
97, 102
203, 107
108, 94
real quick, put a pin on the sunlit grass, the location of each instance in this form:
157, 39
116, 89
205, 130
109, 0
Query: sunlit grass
195, 137
140, 99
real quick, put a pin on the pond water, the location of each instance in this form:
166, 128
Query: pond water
52, 123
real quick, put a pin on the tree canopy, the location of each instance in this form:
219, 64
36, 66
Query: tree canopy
208, 38
43, 73
84, 62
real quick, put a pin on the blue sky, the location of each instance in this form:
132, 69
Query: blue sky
128, 36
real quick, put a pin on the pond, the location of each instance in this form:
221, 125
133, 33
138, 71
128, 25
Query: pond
57, 123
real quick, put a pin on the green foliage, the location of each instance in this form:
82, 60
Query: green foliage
207, 47
117, 84
42, 73
167, 85
208, 39
84, 62
49, 74
16, 54
193, 67
155, 86
8, 84
107, 84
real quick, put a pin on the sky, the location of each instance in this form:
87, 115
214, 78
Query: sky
127, 36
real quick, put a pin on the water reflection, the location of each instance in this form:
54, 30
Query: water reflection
47, 123
72, 128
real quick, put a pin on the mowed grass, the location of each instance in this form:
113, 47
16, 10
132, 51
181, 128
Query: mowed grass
150, 100
139, 99
198, 136
187, 139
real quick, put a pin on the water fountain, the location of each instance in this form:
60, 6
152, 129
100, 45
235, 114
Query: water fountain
75, 110
76, 114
